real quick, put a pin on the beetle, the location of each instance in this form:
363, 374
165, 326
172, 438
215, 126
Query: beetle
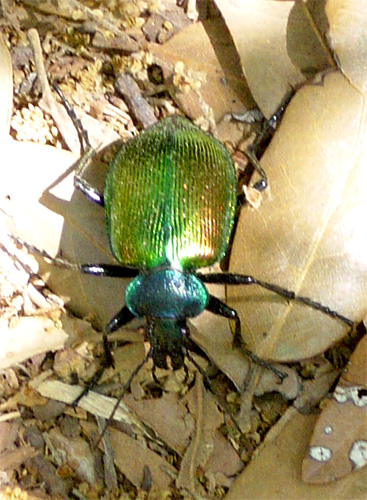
170, 201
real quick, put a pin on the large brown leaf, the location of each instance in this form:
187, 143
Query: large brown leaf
280, 45
275, 471
309, 233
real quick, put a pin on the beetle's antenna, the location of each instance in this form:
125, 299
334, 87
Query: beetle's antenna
87, 150
123, 392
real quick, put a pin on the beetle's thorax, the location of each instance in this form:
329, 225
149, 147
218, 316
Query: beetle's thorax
166, 293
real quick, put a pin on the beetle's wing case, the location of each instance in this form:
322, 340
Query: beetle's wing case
170, 196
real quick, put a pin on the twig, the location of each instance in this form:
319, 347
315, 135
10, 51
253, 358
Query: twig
138, 106
48, 103
108, 457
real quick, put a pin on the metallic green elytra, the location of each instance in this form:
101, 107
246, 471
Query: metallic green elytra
170, 198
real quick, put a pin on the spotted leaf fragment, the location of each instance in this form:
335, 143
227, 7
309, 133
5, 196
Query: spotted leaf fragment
339, 442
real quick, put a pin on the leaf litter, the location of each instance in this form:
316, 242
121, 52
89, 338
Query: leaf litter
166, 442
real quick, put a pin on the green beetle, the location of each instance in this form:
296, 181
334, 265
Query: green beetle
170, 200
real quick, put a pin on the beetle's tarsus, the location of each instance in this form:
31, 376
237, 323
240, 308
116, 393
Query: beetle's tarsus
82, 133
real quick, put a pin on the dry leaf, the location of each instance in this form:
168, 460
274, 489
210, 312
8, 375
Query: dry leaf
221, 84
279, 45
309, 234
166, 416
339, 442
131, 456
275, 471
27, 337
76, 454
347, 34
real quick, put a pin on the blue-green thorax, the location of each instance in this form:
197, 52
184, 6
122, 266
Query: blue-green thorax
166, 293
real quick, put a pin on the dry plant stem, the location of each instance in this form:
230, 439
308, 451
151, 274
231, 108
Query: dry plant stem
187, 475
94, 403
139, 107
10, 416
191, 10
247, 397
108, 457
199, 430
48, 103
222, 402
6, 89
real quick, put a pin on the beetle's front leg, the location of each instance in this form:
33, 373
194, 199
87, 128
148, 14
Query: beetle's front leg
88, 153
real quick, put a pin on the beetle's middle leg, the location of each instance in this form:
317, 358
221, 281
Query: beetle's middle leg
218, 307
99, 269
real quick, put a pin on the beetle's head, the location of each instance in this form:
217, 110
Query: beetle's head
167, 339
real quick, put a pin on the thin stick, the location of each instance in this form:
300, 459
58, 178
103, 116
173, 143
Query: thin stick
48, 103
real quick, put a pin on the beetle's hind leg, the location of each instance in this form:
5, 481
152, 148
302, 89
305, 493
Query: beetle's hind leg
88, 153
243, 279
